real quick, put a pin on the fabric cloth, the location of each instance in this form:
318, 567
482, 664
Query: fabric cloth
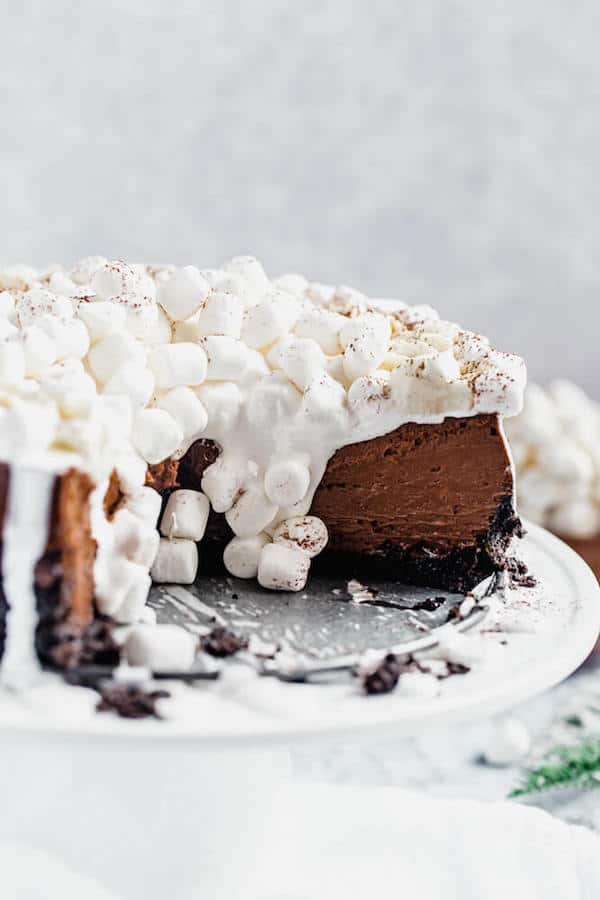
349, 842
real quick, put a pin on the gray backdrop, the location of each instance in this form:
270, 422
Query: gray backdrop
444, 152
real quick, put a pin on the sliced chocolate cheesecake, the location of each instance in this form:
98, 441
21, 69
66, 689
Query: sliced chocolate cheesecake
271, 422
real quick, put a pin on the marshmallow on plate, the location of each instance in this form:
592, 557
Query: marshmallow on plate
160, 647
241, 555
283, 568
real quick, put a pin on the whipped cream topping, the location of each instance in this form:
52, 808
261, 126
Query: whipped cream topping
555, 443
110, 365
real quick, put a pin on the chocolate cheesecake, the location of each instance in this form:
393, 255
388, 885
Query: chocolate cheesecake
274, 423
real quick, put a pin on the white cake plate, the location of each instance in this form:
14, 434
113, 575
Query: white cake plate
192, 806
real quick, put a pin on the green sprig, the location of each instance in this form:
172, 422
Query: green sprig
574, 766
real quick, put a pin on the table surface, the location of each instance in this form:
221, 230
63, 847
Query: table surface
448, 762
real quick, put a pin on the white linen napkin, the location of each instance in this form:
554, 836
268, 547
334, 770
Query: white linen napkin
356, 843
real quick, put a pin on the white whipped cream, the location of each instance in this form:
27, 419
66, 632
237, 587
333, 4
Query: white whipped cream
115, 366
555, 443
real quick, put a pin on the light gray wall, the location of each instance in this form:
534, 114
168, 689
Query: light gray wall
441, 151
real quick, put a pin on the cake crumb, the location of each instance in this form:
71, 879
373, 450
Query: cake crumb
222, 642
130, 701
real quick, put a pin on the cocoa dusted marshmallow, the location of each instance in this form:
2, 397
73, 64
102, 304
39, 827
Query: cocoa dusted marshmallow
307, 533
283, 568
185, 515
113, 279
176, 561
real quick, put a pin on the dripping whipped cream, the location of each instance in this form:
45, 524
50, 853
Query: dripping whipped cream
25, 538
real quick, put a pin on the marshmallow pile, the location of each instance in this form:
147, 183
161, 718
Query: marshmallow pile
121, 366
555, 444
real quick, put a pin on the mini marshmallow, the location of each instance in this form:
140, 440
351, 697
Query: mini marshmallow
564, 459
307, 533
70, 336
323, 327
251, 272
167, 648
12, 362
186, 408
302, 360
370, 395
158, 330
509, 742
365, 352
374, 323
133, 381
145, 503
221, 313
176, 562
38, 303
185, 515
82, 271
111, 279
283, 568
287, 482
113, 351
39, 350
183, 294
134, 538
222, 401
226, 357
71, 387
575, 518
101, 318
222, 482
156, 435
251, 513
131, 470
241, 555
324, 400
175, 364
269, 320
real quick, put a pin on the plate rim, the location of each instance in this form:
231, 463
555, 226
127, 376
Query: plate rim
540, 676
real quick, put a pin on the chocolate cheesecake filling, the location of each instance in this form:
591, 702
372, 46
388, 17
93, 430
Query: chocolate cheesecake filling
426, 504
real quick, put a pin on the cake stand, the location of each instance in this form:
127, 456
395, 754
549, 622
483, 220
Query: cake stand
196, 806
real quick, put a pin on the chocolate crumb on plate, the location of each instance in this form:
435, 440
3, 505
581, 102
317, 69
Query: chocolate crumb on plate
222, 642
384, 677
130, 701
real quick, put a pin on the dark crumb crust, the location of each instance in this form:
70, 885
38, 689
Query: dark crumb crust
460, 570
